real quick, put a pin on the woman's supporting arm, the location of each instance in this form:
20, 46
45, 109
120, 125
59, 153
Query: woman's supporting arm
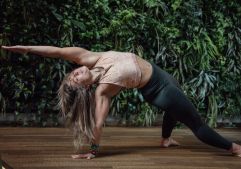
102, 109
103, 95
74, 54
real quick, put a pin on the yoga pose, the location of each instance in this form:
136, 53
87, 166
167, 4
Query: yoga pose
108, 73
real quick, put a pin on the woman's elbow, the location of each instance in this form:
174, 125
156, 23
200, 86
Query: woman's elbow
99, 124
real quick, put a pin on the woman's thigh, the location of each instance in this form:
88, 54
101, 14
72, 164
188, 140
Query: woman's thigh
173, 101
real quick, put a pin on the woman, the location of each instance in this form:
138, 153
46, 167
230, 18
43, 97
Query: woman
113, 71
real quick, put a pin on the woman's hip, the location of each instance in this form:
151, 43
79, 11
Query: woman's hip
158, 81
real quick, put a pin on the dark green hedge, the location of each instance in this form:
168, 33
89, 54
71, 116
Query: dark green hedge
197, 41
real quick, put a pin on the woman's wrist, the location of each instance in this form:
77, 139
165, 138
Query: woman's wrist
28, 49
94, 149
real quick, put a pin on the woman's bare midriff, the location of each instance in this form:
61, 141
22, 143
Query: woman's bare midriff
146, 71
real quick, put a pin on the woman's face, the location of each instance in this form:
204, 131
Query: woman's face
80, 76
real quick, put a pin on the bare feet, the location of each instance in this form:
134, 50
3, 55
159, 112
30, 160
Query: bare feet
236, 150
168, 142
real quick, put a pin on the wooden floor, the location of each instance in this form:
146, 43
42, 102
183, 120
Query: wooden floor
121, 148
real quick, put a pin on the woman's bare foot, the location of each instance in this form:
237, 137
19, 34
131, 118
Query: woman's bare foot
168, 142
236, 150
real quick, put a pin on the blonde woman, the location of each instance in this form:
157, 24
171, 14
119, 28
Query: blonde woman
86, 109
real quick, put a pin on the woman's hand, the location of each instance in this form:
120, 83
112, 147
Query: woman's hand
80, 156
17, 49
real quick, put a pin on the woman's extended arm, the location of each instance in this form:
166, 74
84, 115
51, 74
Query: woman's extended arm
74, 54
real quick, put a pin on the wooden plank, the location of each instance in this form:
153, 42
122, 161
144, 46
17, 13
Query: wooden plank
121, 148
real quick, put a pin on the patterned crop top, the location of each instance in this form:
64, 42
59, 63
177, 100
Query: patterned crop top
120, 68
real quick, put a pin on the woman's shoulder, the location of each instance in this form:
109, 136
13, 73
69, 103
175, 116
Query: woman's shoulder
116, 53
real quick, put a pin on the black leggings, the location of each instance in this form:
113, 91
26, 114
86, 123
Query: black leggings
164, 92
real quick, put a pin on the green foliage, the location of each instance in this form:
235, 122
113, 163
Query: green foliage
196, 41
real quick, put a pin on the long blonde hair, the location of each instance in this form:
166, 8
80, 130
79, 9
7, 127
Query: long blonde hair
77, 105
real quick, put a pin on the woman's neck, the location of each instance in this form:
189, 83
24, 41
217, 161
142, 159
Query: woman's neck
96, 73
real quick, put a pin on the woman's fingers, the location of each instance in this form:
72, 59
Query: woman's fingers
8, 47
4, 47
18, 49
81, 156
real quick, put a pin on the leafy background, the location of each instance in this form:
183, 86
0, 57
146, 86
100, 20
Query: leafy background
198, 41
